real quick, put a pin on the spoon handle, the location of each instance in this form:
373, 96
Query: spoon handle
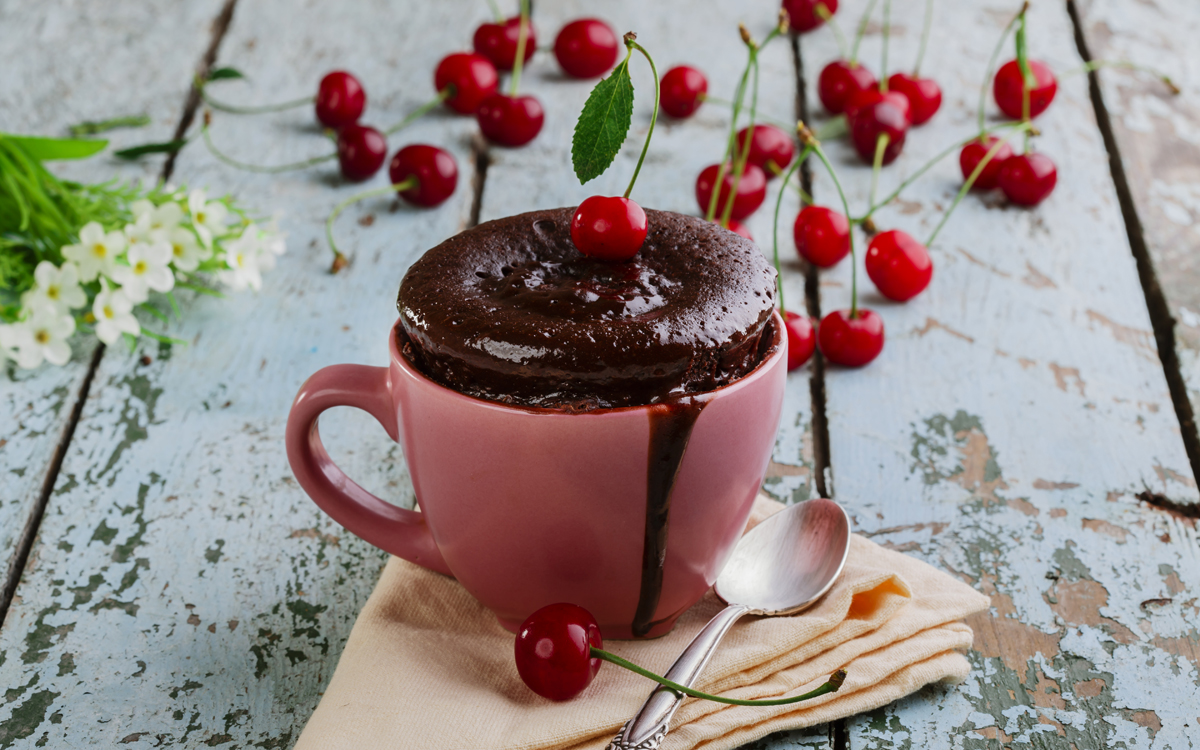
649, 726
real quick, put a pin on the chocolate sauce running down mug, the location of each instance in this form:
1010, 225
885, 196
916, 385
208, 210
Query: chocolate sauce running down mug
628, 512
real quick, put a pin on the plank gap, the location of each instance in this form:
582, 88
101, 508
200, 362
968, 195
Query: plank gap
822, 477
1156, 300
480, 151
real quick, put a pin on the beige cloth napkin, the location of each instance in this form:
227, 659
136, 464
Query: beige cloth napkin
427, 666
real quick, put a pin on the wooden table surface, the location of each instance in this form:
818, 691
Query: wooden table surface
1028, 427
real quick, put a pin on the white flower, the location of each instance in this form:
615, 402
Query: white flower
55, 286
147, 269
114, 314
207, 216
43, 336
185, 250
167, 216
8, 341
243, 255
96, 251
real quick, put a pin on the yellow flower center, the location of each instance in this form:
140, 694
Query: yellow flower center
52, 292
140, 267
99, 250
42, 337
108, 312
201, 217
177, 249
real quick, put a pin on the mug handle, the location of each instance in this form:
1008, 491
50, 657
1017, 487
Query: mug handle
403, 533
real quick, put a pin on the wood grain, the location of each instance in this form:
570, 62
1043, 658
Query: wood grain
1016, 410
68, 62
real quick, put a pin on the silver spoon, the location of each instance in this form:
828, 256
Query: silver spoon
782, 566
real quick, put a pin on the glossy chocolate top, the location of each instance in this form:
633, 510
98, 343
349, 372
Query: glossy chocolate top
510, 311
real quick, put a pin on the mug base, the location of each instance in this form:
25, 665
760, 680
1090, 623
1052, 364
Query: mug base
610, 632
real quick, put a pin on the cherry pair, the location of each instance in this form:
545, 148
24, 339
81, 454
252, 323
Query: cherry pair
770, 152
842, 81
1026, 179
469, 82
898, 264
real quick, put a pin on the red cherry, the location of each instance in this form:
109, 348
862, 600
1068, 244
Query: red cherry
361, 151
738, 227
553, 651
608, 228
803, 16
473, 78
510, 120
498, 42
973, 153
1009, 89
340, 99
586, 48
682, 90
1027, 179
822, 236
871, 114
751, 190
899, 265
771, 149
840, 81
924, 95
801, 338
434, 169
850, 342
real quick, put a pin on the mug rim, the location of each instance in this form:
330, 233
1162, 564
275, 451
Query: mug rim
779, 344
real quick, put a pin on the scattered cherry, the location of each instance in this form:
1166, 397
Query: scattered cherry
1028, 178
771, 149
873, 113
498, 42
751, 190
822, 236
924, 95
850, 341
361, 151
586, 48
435, 171
472, 77
682, 91
510, 120
1009, 89
803, 16
840, 81
801, 339
608, 228
553, 651
899, 265
340, 99
974, 152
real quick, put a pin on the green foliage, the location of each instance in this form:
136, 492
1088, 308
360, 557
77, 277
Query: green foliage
603, 124
166, 147
224, 73
47, 149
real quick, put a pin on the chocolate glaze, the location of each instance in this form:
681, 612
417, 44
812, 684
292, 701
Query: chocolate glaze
510, 311
670, 427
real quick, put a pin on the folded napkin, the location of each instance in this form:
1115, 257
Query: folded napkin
426, 666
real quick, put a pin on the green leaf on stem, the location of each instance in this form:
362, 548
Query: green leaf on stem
48, 149
166, 147
224, 73
603, 125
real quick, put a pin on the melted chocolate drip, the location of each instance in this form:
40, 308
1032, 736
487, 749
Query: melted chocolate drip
670, 428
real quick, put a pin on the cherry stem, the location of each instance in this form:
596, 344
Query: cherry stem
828, 18
991, 68
1092, 65
830, 686
420, 111
812, 142
999, 144
631, 43
744, 157
887, 34
407, 183
881, 144
522, 34
925, 168
738, 97
496, 11
928, 25
804, 196
202, 85
258, 168
1028, 79
775, 226
862, 29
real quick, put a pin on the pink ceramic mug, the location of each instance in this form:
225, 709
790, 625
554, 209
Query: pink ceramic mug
531, 506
